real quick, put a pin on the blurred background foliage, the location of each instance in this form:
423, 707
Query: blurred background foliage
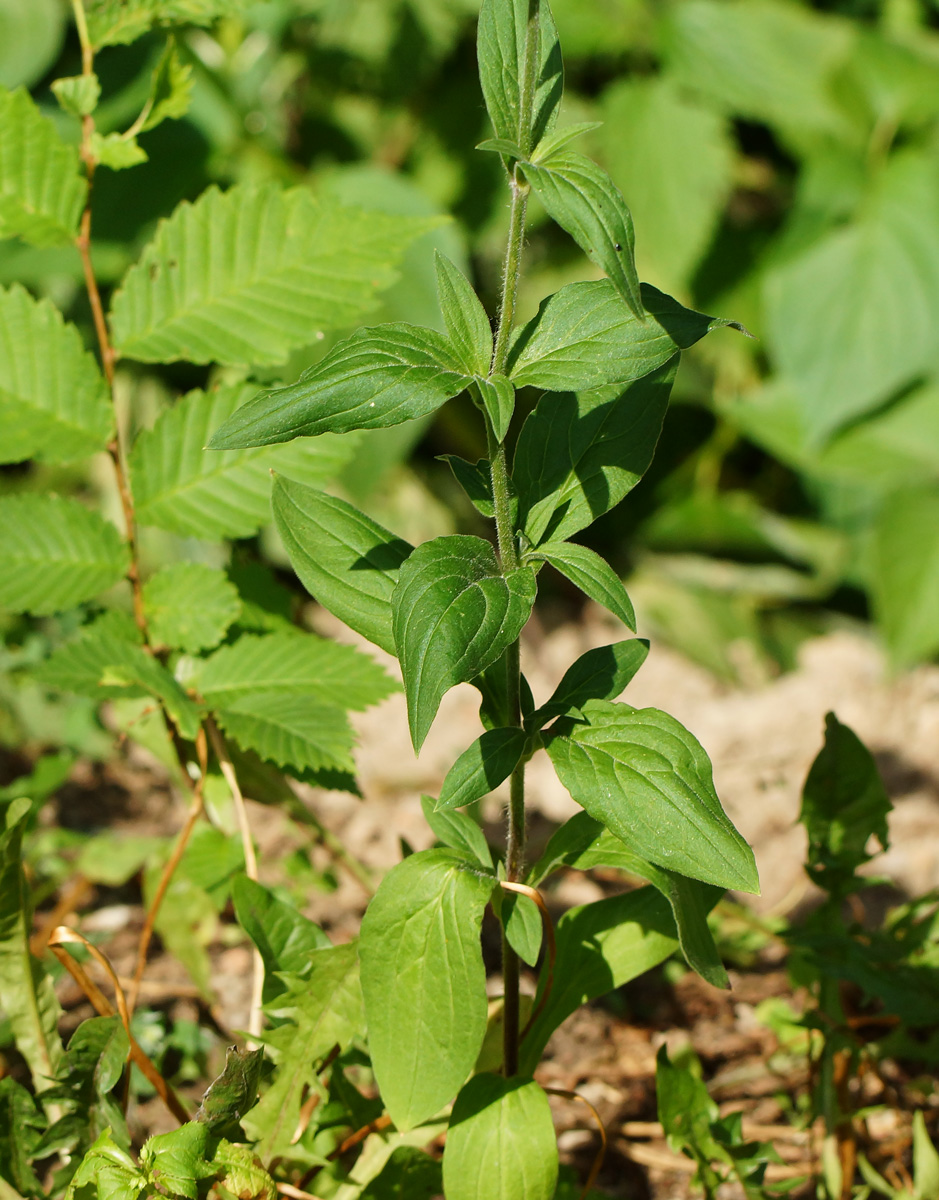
781, 160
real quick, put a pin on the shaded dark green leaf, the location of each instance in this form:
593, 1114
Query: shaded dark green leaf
587, 570
479, 770
600, 674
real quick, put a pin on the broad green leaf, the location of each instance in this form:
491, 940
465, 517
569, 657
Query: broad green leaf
661, 148
95, 1057
42, 192
467, 323
454, 614
27, 998
844, 805
424, 981
376, 378
201, 493
904, 573
585, 202
55, 554
591, 573
110, 1169
600, 674
190, 606
501, 1143
177, 1161
103, 662
117, 22
290, 729
245, 276
601, 946
344, 559
578, 456
284, 937
648, 780
409, 1174
327, 671
116, 151
479, 770
54, 403
20, 1123
498, 397
500, 47
31, 37
458, 831
475, 479
234, 1092
584, 338
78, 94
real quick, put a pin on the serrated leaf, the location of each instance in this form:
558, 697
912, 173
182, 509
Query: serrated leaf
347, 561
467, 323
116, 151
118, 22
327, 671
284, 937
177, 1161
42, 192
600, 946
54, 403
77, 94
498, 397
501, 41
376, 378
590, 572
170, 90
56, 554
206, 494
458, 831
110, 1169
479, 770
245, 276
190, 606
424, 981
578, 455
454, 613
501, 1143
600, 674
322, 1010
290, 730
904, 572
646, 778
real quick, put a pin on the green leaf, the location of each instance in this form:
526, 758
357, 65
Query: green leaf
685, 1108
559, 138
290, 730
77, 94
585, 201
205, 494
20, 1122
330, 673
376, 378
600, 674
284, 937
409, 1174
591, 573
904, 573
26, 994
245, 276
475, 479
479, 770
54, 403
31, 37
578, 456
498, 397
465, 318
113, 1172
234, 1092
454, 614
648, 780
116, 151
42, 192
118, 22
321, 1010
501, 1143
844, 805
521, 920
177, 1160
501, 40
424, 981
190, 606
170, 90
601, 946
55, 554
347, 561
95, 1058
925, 1158
458, 831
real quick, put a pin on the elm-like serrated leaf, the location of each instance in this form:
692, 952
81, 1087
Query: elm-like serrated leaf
190, 606
54, 402
55, 554
501, 43
454, 613
424, 981
325, 671
77, 94
347, 561
207, 494
479, 770
648, 780
243, 277
464, 316
376, 378
600, 674
118, 22
170, 90
590, 572
290, 729
42, 191
578, 455
585, 201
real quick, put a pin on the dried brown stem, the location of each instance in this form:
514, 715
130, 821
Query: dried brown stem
601, 1153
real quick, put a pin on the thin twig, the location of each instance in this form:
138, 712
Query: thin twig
533, 894
601, 1153
360, 1135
